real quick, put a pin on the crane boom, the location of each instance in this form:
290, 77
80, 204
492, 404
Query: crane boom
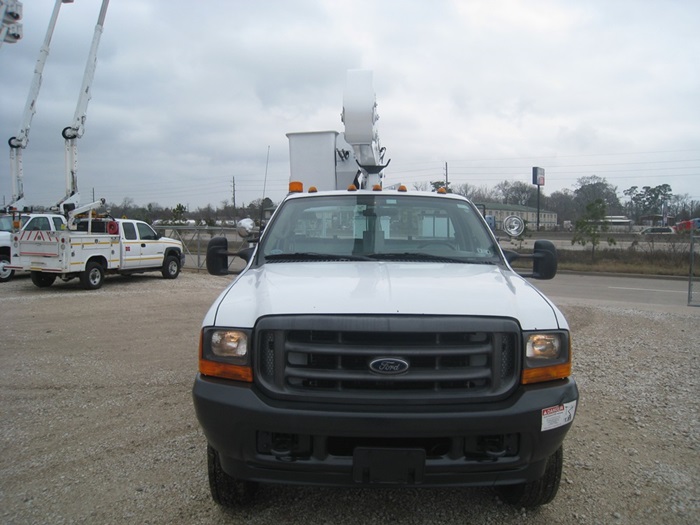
73, 132
19, 142
333, 160
360, 119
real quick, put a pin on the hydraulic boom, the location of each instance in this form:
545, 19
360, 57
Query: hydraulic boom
75, 131
18, 143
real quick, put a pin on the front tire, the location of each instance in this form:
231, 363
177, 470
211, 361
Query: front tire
43, 280
5, 273
538, 492
93, 277
225, 490
171, 267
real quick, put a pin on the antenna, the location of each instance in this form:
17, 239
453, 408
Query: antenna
262, 211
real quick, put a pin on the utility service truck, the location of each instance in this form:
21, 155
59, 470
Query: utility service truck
32, 221
381, 338
90, 247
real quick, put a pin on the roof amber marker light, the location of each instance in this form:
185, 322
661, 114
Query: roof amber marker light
442, 191
313, 189
352, 187
296, 186
377, 187
402, 188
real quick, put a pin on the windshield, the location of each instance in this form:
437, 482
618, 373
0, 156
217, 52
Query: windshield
6, 223
361, 226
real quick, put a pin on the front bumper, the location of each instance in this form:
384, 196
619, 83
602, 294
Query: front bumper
266, 440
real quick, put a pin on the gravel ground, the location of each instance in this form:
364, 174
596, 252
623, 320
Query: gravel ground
98, 424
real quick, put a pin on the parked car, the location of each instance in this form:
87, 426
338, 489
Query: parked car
654, 230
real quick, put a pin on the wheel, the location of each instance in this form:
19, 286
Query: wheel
5, 273
171, 267
540, 491
225, 490
93, 276
43, 280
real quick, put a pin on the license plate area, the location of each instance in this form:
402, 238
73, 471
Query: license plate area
397, 466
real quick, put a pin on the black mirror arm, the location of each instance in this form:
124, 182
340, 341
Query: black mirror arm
245, 253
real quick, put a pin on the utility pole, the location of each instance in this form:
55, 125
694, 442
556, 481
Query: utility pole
447, 182
267, 162
233, 186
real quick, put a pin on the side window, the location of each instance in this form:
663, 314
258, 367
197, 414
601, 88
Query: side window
129, 231
57, 223
146, 232
38, 223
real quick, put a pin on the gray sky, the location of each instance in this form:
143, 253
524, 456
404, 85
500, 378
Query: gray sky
188, 95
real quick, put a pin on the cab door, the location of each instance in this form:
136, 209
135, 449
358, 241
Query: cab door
131, 246
151, 248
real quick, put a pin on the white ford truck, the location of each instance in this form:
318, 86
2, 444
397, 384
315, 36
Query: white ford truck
92, 249
381, 338
5, 242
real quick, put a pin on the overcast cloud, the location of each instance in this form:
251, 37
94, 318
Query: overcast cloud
188, 95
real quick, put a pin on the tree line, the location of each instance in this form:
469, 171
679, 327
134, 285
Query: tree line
635, 202
571, 205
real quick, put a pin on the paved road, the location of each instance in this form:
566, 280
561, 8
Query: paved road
646, 293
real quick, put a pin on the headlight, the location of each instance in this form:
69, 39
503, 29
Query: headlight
543, 346
225, 352
547, 356
229, 343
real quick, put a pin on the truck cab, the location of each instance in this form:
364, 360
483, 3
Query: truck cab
43, 222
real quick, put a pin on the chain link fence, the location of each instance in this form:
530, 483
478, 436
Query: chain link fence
694, 274
195, 240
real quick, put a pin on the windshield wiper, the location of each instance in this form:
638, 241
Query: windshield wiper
412, 256
314, 256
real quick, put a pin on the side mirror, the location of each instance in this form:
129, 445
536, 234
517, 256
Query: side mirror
218, 254
544, 264
544, 260
513, 225
246, 253
245, 228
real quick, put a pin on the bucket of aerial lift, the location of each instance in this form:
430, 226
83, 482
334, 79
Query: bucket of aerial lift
312, 158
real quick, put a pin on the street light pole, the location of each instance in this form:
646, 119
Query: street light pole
538, 179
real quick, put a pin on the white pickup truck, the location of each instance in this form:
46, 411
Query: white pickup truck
32, 221
381, 338
95, 248
5, 243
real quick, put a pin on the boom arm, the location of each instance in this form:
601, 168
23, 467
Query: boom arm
73, 214
18, 143
76, 130
360, 119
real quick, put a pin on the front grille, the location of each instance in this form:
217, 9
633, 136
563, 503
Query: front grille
327, 358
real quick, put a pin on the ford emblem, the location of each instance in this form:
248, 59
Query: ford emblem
388, 365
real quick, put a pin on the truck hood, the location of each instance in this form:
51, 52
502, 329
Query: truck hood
382, 288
